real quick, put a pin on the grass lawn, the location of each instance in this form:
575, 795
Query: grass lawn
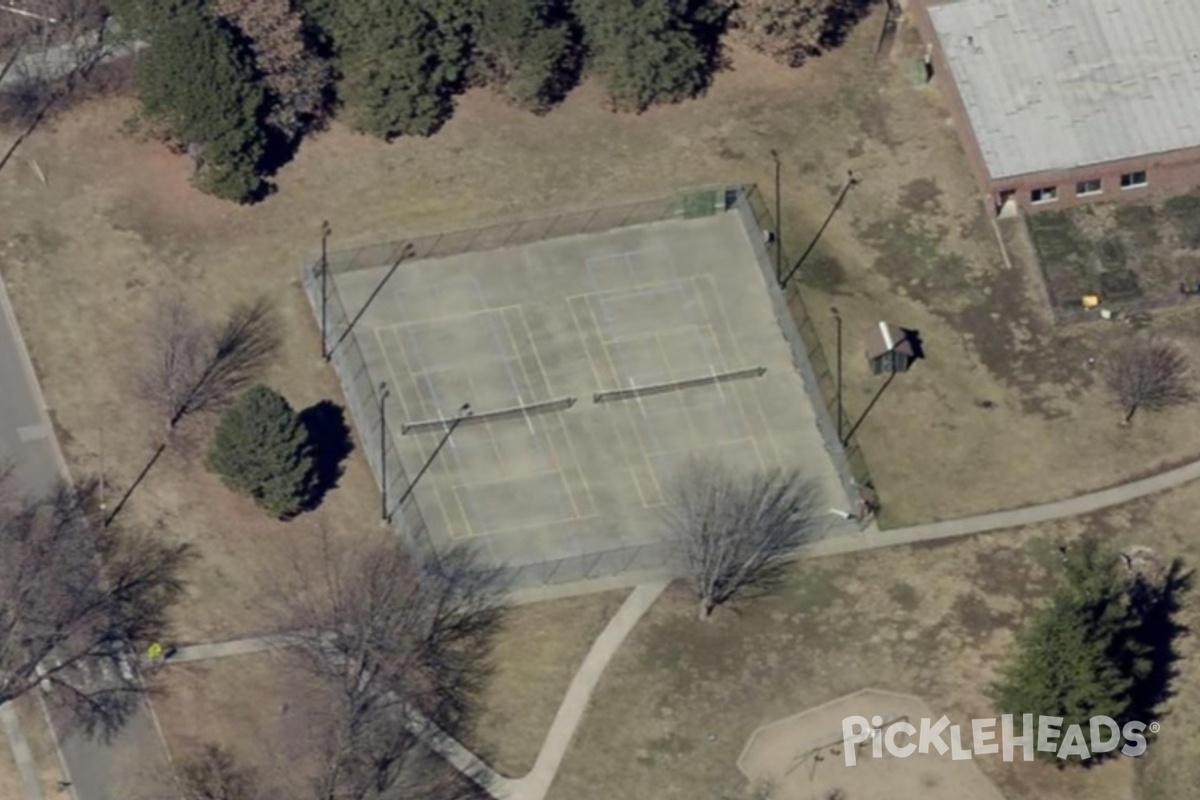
253, 703
11, 784
87, 255
1001, 412
245, 703
681, 698
538, 650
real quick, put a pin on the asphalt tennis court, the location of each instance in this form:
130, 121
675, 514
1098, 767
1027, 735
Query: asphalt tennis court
567, 328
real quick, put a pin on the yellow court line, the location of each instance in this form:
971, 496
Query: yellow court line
587, 351
541, 428
631, 291
753, 387
400, 394
600, 381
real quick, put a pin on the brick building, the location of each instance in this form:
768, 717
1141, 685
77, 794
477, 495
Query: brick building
1060, 102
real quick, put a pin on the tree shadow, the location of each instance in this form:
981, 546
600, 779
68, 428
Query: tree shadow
840, 18
329, 436
1155, 605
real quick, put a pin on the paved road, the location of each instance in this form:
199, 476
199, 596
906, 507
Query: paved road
96, 769
58, 61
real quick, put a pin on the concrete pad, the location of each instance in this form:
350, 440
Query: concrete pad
570, 317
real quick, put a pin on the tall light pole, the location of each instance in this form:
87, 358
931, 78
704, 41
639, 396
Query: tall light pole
325, 231
464, 412
778, 220
837, 318
383, 485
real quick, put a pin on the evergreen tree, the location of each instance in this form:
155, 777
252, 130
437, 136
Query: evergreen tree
1079, 656
261, 448
399, 62
526, 51
198, 83
652, 51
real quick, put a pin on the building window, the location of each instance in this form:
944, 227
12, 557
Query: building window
1084, 188
1047, 194
1133, 180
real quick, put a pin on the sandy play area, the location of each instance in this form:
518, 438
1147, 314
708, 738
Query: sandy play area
801, 757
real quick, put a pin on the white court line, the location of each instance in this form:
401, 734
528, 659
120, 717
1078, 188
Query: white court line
523, 526
444, 318
661, 332
753, 387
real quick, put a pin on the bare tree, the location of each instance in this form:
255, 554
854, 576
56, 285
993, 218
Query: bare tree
46, 55
180, 345
400, 650
212, 773
1148, 372
733, 530
193, 366
77, 600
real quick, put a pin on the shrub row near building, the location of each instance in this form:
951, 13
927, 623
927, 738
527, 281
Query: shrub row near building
237, 83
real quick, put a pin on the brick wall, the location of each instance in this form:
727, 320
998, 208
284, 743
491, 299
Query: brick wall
1166, 173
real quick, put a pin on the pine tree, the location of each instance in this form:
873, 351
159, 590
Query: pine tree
198, 83
525, 50
262, 449
1079, 656
652, 51
399, 62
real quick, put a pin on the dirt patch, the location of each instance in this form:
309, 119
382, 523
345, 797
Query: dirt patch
803, 756
1135, 256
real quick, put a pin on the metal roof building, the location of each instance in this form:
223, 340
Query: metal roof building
1057, 86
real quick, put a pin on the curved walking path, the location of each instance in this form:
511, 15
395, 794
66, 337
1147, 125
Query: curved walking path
570, 712
536, 783
1012, 518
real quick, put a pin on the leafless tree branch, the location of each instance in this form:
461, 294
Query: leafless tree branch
76, 600
1149, 372
732, 530
193, 366
212, 773
400, 649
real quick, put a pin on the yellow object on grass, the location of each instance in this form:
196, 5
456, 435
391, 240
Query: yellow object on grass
1091, 300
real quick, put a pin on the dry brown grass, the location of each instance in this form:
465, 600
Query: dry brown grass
245, 702
538, 650
87, 253
1001, 413
679, 701
11, 784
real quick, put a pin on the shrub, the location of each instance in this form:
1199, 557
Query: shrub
262, 449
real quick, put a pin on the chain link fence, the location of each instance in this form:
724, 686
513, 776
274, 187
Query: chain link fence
808, 354
362, 390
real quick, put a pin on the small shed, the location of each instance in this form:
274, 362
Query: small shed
889, 349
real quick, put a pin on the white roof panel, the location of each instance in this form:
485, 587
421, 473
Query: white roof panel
1057, 84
